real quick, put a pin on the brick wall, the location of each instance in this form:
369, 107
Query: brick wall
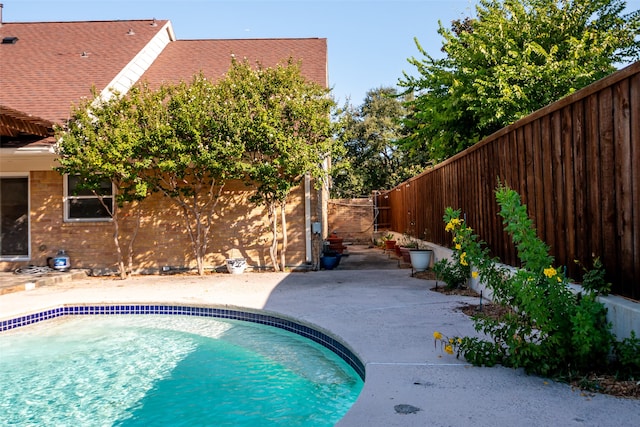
241, 230
352, 219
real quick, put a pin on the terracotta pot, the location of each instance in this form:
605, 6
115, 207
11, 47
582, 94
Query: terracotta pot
406, 257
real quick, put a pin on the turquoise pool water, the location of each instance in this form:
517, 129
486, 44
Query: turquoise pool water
169, 370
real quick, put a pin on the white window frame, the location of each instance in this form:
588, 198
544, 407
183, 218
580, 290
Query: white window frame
28, 256
67, 205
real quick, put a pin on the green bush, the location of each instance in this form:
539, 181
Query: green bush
454, 274
626, 362
549, 330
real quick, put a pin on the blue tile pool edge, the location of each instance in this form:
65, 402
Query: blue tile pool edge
223, 313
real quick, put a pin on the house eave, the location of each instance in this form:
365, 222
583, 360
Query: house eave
28, 150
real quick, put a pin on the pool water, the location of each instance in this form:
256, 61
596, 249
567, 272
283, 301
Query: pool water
169, 370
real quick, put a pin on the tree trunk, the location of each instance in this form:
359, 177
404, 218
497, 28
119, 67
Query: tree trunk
194, 212
138, 210
115, 220
116, 240
273, 250
285, 241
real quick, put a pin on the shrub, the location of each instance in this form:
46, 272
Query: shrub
626, 362
455, 272
549, 330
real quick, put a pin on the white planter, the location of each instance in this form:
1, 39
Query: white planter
236, 265
420, 259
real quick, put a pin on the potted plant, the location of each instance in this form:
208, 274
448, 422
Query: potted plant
335, 242
236, 265
389, 241
420, 258
406, 244
330, 259
421, 254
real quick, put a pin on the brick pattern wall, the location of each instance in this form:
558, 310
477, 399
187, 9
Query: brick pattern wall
352, 219
241, 230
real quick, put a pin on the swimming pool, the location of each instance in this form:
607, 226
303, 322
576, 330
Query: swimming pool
175, 366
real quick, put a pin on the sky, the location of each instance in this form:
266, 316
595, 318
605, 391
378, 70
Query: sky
369, 41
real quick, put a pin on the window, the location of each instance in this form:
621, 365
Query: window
14, 218
85, 205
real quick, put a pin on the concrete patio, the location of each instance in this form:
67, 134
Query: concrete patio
387, 318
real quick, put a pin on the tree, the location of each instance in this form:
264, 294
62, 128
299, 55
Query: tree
284, 123
192, 147
369, 134
101, 142
513, 58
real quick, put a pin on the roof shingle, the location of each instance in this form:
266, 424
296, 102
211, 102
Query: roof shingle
182, 59
44, 72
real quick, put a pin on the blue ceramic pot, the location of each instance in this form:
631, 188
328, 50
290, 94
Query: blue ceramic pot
329, 262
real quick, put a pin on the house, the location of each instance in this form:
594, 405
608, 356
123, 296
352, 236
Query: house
47, 67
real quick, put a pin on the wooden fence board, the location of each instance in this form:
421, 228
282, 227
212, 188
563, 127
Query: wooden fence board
611, 246
623, 196
569, 190
634, 120
579, 178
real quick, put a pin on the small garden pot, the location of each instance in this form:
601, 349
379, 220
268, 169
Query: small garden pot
236, 265
390, 244
404, 253
329, 262
420, 259
397, 249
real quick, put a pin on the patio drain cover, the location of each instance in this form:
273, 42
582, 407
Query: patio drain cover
406, 409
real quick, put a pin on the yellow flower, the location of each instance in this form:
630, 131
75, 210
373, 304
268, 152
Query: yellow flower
463, 259
451, 225
458, 246
559, 279
459, 340
451, 341
437, 335
448, 348
550, 272
474, 274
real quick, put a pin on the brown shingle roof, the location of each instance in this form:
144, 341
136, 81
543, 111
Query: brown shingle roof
44, 72
181, 59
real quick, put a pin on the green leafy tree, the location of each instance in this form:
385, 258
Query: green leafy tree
513, 58
193, 149
101, 141
369, 134
284, 123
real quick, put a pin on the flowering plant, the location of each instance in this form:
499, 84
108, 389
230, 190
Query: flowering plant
455, 271
448, 345
549, 330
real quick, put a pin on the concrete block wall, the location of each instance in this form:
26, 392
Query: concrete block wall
351, 219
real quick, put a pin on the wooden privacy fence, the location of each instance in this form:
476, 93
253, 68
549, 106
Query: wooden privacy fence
576, 164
